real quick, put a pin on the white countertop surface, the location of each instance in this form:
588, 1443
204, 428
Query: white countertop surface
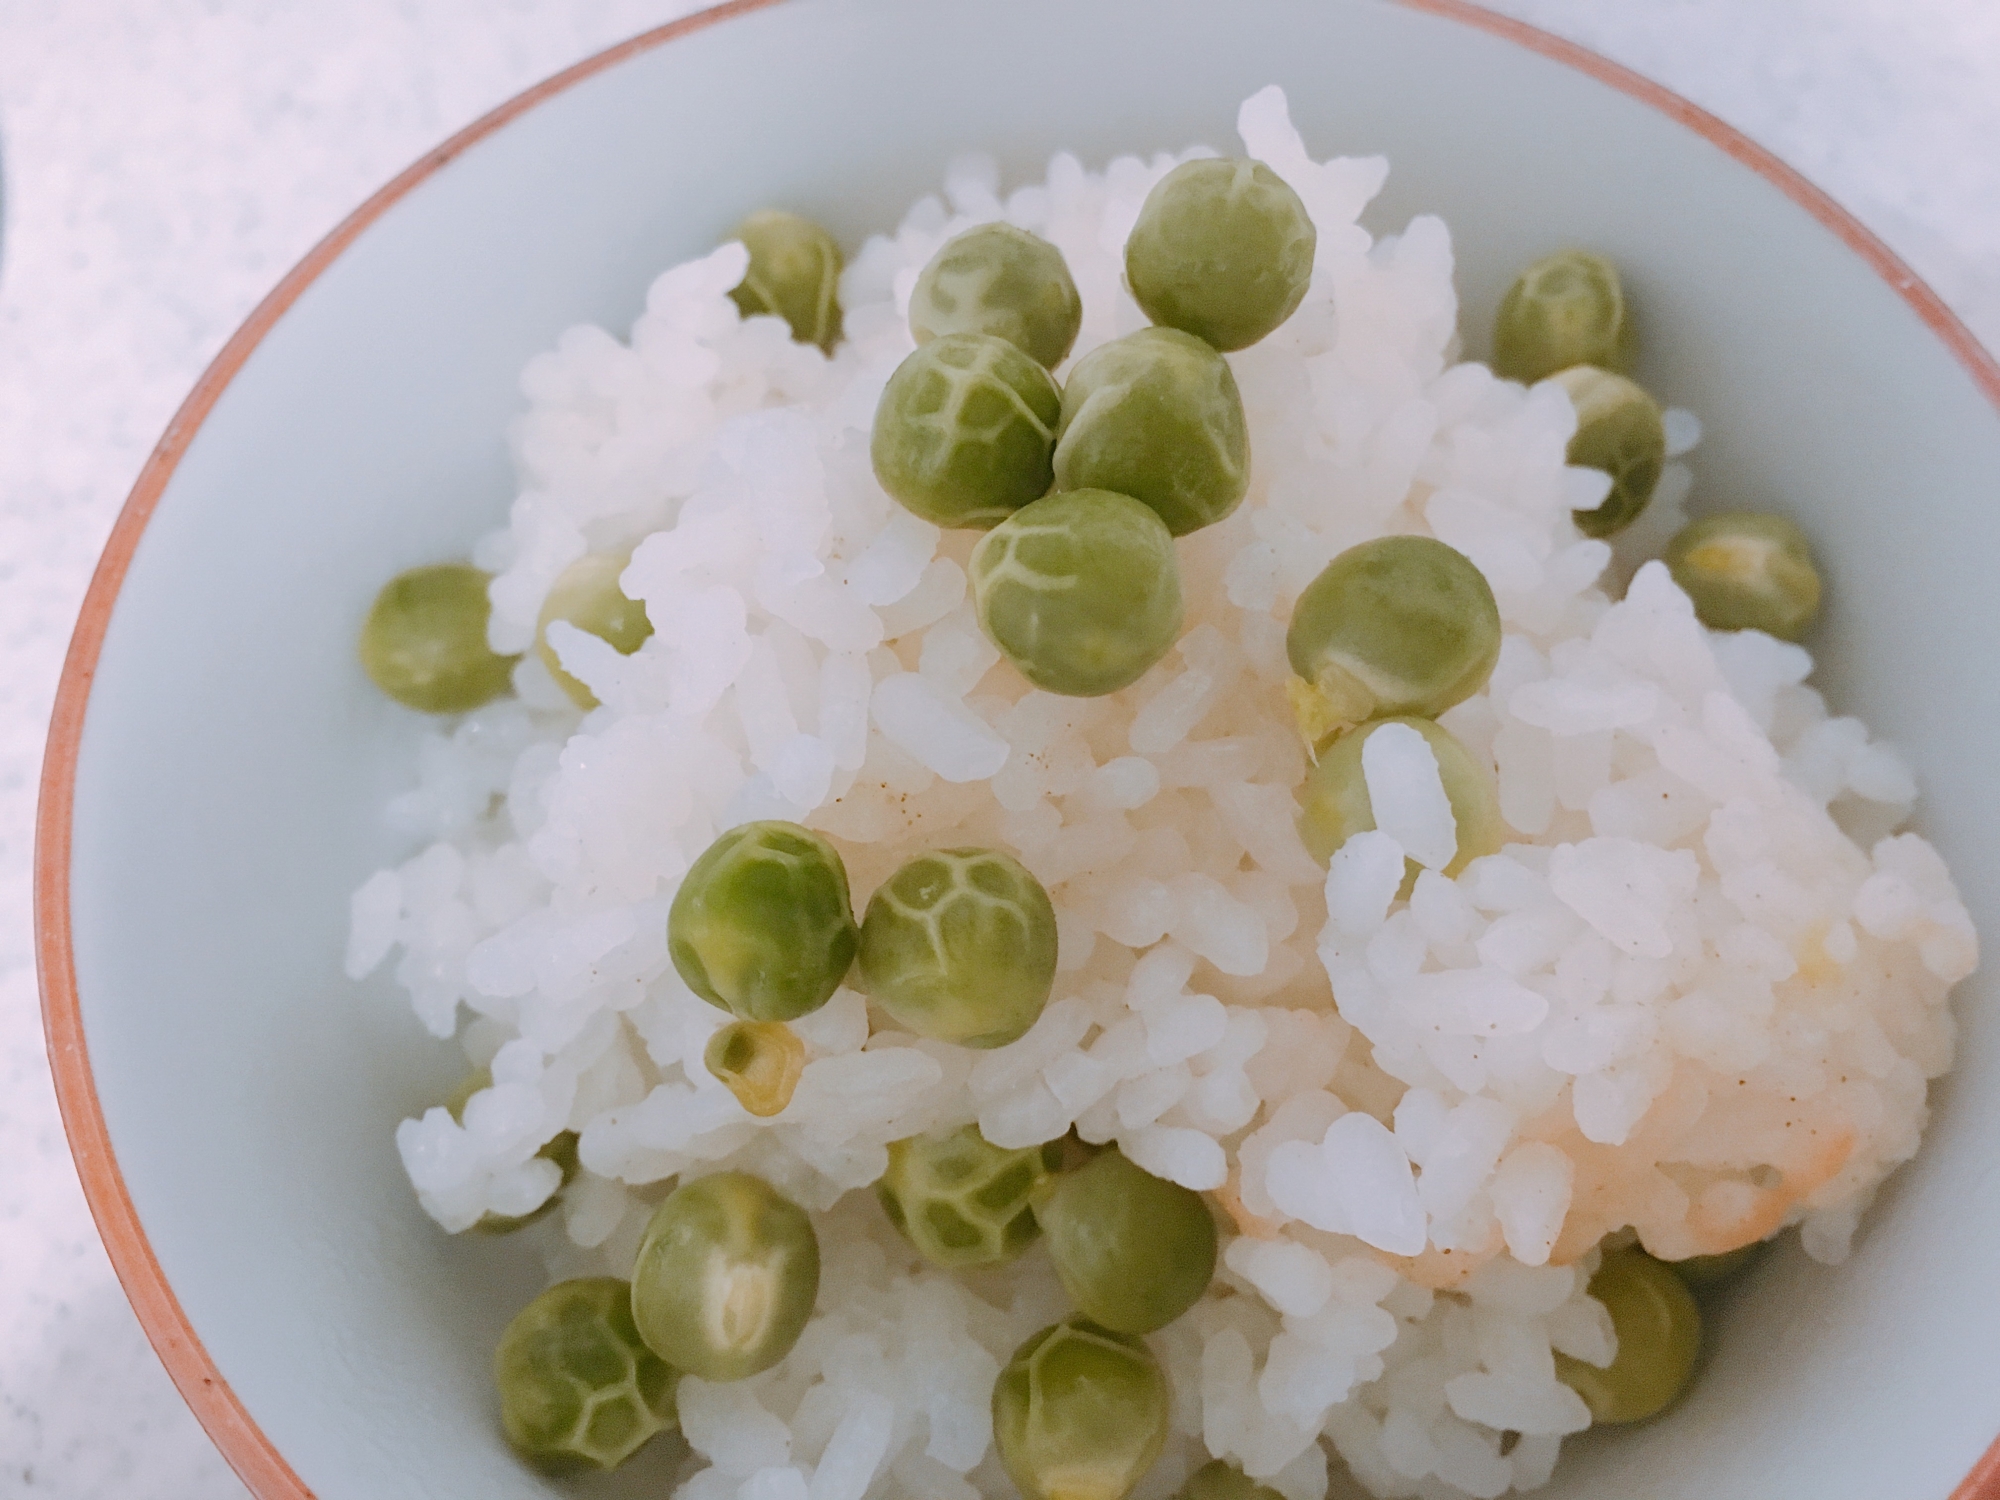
165, 161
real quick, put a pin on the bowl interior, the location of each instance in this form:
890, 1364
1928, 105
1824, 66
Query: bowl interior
234, 758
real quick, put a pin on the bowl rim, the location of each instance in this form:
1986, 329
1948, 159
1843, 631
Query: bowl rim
221, 1412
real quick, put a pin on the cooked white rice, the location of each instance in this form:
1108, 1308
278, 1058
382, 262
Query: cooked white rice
1701, 996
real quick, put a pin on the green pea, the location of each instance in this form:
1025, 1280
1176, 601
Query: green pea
1134, 1251
794, 274
1080, 1413
424, 642
1156, 415
965, 429
1659, 1337
959, 945
762, 926
1566, 309
578, 1390
1223, 250
1398, 625
1618, 430
1220, 1479
1002, 281
1081, 591
1703, 1271
586, 595
561, 1149
1747, 571
961, 1200
726, 1277
760, 1062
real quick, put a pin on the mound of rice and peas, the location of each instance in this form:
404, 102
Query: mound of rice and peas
1328, 1076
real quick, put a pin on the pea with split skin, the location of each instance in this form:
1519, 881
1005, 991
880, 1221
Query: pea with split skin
424, 642
1003, 281
961, 1200
760, 1062
579, 1390
1080, 1413
586, 594
1747, 571
1565, 309
794, 274
1659, 1337
1134, 1251
1619, 431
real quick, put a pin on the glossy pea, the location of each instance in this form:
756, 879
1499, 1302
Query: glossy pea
578, 1389
1156, 415
760, 1062
586, 594
965, 431
1134, 1251
1220, 1479
1002, 281
1223, 249
1080, 1413
1659, 1338
961, 1200
1747, 571
1565, 309
794, 274
560, 1149
959, 945
762, 925
1619, 431
424, 642
726, 1277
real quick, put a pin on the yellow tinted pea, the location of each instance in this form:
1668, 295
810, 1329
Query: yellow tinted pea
961, 1200
1565, 309
1220, 1479
578, 1389
759, 1062
794, 274
1134, 1251
1747, 571
1659, 1338
424, 642
1619, 431
1080, 1413
586, 594
560, 1149
1002, 281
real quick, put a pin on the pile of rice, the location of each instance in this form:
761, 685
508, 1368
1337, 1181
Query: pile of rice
1701, 996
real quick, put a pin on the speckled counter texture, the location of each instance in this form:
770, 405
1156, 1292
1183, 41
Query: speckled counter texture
166, 160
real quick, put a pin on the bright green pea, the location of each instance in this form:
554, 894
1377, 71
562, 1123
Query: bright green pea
961, 1200
1747, 571
1156, 415
959, 945
1220, 1479
1134, 1251
1659, 1338
760, 1062
424, 642
762, 926
1002, 281
1399, 625
1618, 430
1223, 250
965, 429
561, 1149
1081, 591
578, 1390
1080, 1413
726, 1277
1566, 309
1702, 1271
794, 274
586, 595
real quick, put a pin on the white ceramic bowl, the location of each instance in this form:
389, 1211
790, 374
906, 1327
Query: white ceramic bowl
218, 760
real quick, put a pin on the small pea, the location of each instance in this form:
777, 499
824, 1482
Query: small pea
1080, 1413
762, 926
959, 945
1398, 625
760, 1062
560, 1149
1134, 1251
1747, 571
726, 1277
578, 1389
794, 274
1703, 1271
1156, 415
1659, 1338
961, 1200
586, 594
424, 642
1618, 430
965, 431
1081, 591
1565, 309
1220, 1479
1223, 249
1002, 281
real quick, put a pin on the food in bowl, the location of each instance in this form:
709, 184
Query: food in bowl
1332, 961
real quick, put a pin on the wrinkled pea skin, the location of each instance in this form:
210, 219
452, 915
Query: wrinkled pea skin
1747, 571
1134, 1251
762, 925
1081, 591
965, 431
1080, 1413
586, 595
959, 945
1565, 309
560, 1149
726, 1277
578, 1389
1659, 1339
424, 642
1001, 281
1223, 249
1619, 431
1156, 415
1220, 1479
794, 274
961, 1200
760, 1062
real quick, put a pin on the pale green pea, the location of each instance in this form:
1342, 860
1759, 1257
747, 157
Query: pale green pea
1080, 1413
965, 431
1619, 431
1156, 415
424, 642
959, 945
1659, 1338
586, 594
1566, 309
1747, 571
1223, 249
1134, 1251
560, 1149
1220, 1479
1002, 281
961, 1200
578, 1389
794, 274
1081, 591
762, 925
